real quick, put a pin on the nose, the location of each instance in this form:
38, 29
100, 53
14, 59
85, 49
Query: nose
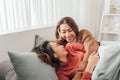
67, 34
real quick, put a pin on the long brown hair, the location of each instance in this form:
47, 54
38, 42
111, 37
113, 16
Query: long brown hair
46, 54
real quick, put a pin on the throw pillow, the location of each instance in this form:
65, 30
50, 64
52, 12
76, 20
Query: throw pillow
38, 40
29, 67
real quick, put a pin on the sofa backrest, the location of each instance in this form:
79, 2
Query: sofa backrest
22, 41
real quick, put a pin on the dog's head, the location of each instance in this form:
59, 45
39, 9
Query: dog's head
84, 35
86, 38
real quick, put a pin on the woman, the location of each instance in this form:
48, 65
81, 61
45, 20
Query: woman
66, 60
66, 31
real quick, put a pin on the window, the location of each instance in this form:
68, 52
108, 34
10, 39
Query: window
19, 15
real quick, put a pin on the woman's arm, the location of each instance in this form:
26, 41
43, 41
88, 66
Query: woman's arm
92, 62
86, 75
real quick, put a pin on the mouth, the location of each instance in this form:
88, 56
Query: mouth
69, 39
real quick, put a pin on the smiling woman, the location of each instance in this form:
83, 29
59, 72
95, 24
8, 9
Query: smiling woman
66, 59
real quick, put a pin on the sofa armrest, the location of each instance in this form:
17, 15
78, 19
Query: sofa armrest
7, 71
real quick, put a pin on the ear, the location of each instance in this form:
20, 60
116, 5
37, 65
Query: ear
55, 55
79, 38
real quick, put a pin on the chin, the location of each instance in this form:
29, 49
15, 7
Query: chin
69, 41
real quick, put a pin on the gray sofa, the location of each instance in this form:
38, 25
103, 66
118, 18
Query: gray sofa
7, 71
26, 65
20, 41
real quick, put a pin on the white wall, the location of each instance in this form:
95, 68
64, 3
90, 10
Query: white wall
99, 10
22, 41
88, 15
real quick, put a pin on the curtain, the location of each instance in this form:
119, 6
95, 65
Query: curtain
19, 15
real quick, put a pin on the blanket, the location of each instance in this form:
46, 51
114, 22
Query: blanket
108, 67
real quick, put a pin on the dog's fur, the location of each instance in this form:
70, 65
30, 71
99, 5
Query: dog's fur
84, 35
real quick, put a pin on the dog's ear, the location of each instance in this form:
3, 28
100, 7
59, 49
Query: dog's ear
79, 39
81, 36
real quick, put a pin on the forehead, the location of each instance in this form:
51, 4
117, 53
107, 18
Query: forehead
64, 27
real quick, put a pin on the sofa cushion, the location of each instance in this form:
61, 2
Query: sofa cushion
29, 67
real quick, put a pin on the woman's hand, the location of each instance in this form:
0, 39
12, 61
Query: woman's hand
82, 66
92, 61
90, 46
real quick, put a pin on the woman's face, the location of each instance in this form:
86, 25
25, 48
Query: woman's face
67, 33
59, 50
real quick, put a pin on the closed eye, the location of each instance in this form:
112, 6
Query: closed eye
70, 30
57, 45
63, 32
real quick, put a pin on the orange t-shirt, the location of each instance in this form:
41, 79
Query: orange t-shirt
76, 52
